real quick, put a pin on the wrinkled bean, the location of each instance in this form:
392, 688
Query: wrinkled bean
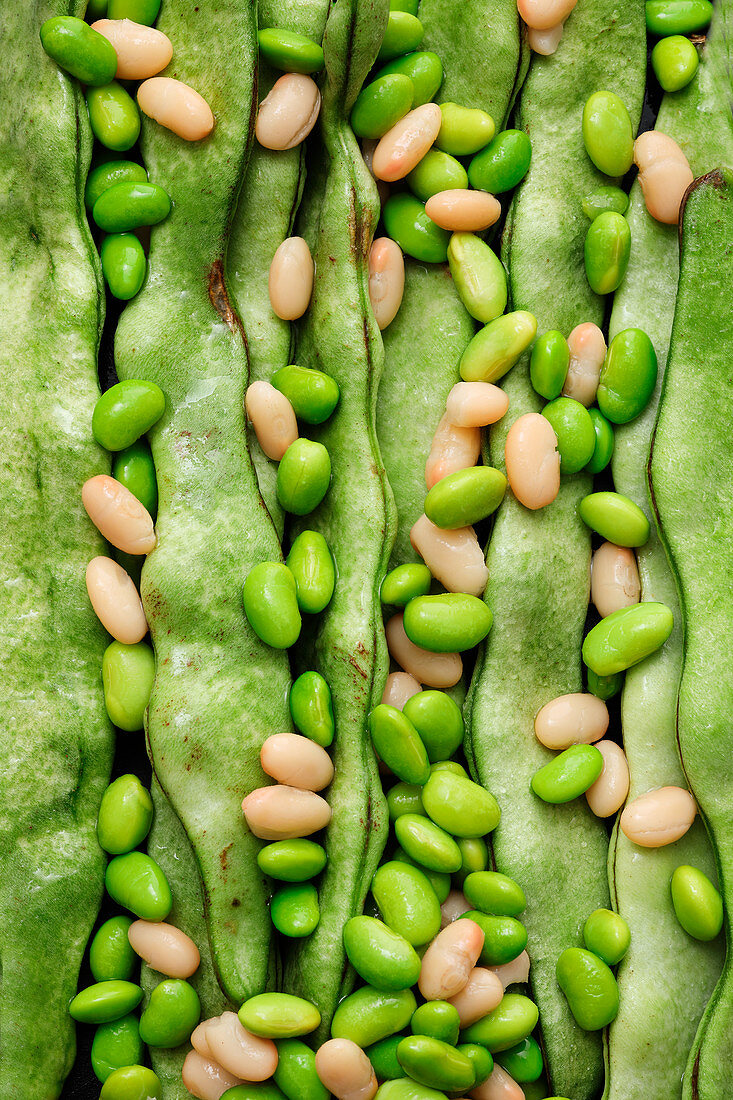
288, 114
449, 960
481, 994
533, 461
404, 146
437, 670
587, 352
345, 1070
454, 557
462, 210
453, 448
658, 817
664, 174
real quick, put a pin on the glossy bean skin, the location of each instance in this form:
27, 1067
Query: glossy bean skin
454, 557
118, 515
369, 1015
311, 708
481, 994
438, 720
447, 623
172, 1012
587, 352
607, 935
659, 817
279, 1015
271, 605
604, 445
296, 1072
499, 1086
675, 62
607, 251
432, 1062
449, 960
436, 172
272, 417
608, 794
399, 689
628, 376
614, 578
296, 762
454, 447
549, 364
237, 1051
141, 11
437, 670
285, 813
616, 518
79, 49
573, 427
514, 972
504, 938
664, 175
115, 600
466, 496
381, 104
403, 583
626, 637
312, 565
291, 279
294, 910
423, 68
290, 51
164, 948
128, 205
541, 15
607, 133
125, 815
589, 986
125, 412
109, 173
205, 1079
497, 346
463, 210
128, 672
289, 112
381, 956
136, 882
141, 51
345, 1070
134, 468
398, 744
114, 117
479, 277
407, 223
460, 806
404, 146
123, 264
697, 904
131, 1083
403, 35
438, 1020
407, 902
464, 130
502, 164
678, 17
510, 1022
313, 394
571, 720
533, 461
523, 1062
545, 42
104, 1002
292, 860
386, 280
303, 476
116, 1044
495, 893
605, 198
111, 957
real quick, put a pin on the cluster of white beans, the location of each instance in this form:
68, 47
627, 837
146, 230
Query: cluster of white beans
664, 174
291, 808
142, 52
545, 20
225, 1054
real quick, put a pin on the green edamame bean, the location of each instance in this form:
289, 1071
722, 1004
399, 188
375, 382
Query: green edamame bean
607, 935
132, 1083
96, 9
437, 171
504, 937
407, 223
410, 6
294, 910
474, 857
379, 955
79, 50
432, 1062
123, 264
589, 986
460, 806
111, 957
311, 708
126, 206
428, 844
423, 68
381, 104
607, 133
548, 364
407, 1089
496, 347
105, 1001
447, 622
313, 568
303, 476
398, 744
479, 276
296, 1071
568, 775
626, 637
292, 860
603, 199
604, 687
114, 118
171, 1014
109, 173
615, 517
439, 722
313, 394
480, 1059
134, 468
289, 51
125, 815
128, 672
502, 164
271, 604
136, 882
140, 11
403, 583
404, 34
407, 902
464, 130
465, 497
675, 62
628, 376
604, 442
513, 1020
115, 1045
576, 437
451, 766
522, 1062
371, 1014
438, 1020
440, 881
404, 798
383, 1056
607, 251
665, 17
494, 893
279, 1016
697, 904
254, 1090
125, 412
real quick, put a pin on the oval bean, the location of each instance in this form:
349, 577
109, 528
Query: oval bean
125, 815
312, 393
237, 1051
128, 673
405, 582
626, 637
136, 882
118, 515
270, 603
291, 279
296, 762
115, 1045
607, 935
107, 174
499, 1086
398, 744
272, 417
311, 708
380, 104
111, 957
404, 798
438, 670
675, 62
105, 1002
438, 721
607, 251
545, 42
131, 1082
177, 107
449, 960
345, 1070
437, 171
541, 15
510, 1022
548, 365
134, 468
439, 880
292, 860
604, 444
115, 600
532, 461
474, 855
123, 265
603, 199
399, 689
437, 1019
289, 112
296, 1072
464, 130
428, 845
386, 280
609, 792
587, 352
504, 937
628, 376
454, 557
290, 51
607, 133
407, 902
697, 904
403, 34
616, 518
481, 994
126, 206
658, 817
370, 1015
125, 412
497, 346
381, 956
424, 69
524, 1061
502, 164
480, 279
303, 476
294, 910
141, 51
614, 579
453, 448
279, 1016
462, 210
171, 1014
665, 17
589, 986
494, 893
407, 223
404, 146
113, 116
205, 1079
447, 623
569, 775
460, 806
573, 719
432, 1061
576, 437
664, 174
164, 948
314, 571
79, 49
285, 813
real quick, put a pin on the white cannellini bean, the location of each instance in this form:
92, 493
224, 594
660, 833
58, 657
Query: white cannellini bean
238, 1051
515, 972
176, 106
450, 958
658, 817
454, 557
199, 1041
435, 670
532, 461
481, 994
403, 147
345, 1070
115, 600
545, 42
296, 761
664, 174
474, 405
288, 114
386, 280
614, 579
399, 688
587, 352
164, 948
285, 813
609, 792
205, 1079
461, 210
291, 279
272, 417
453, 448
498, 1086
543, 14
118, 515
454, 906
575, 719
141, 51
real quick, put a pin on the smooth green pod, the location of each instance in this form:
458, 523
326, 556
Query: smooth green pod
125, 815
628, 376
290, 51
607, 133
127, 205
398, 744
460, 806
511, 1022
407, 223
371, 1014
448, 622
128, 672
427, 844
312, 393
171, 1014
114, 118
271, 605
404, 798
675, 62
105, 1001
615, 517
313, 568
464, 130
522, 1062
294, 910
303, 476
383, 1056
626, 637
279, 1016
111, 956
548, 364
134, 468
296, 1071
589, 986
404, 34
481, 1060
116, 1044
576, 437
404, 583
437, 171
380, 104
432, 1062
603, 199
697, 904
107, 174
379, 955
125, 412
568, 775
465, 497
140, 11
136, 882
123, 264
311, 708
438, 1019
604, 442
494, 893
607, 251
439, 880
607, 935
407, 902
292, 860
423, 68
604, 687
438, 720
497, 346
502, 164
132, 1083
478, 275
80, 50
504, 937
665, 17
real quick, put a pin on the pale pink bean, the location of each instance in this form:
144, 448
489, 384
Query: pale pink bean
386, 280
118, 515
454, 557
475, 404
199, 1041
610, 790
498, 1086
481, 994
658, 817
575, 719
435, 670
399, 688
296, 761
273, 418
289, 113
462, 210
205, 1079
238, 1051
532, 461
587, 352
449, 960
454, 906
453, 448
285, 813
543, 14
614, 579
164, 947
176, 106
345, 1070
115, 600
291, 279
546, 42
141, 51
515, 972
403, 147
664, 174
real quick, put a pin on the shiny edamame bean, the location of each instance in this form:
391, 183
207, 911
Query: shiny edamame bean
573, 427
403, 34
386, 280
296, 761
454, 447
345, 1070
511, 1021
104, 1002
311, 708
658, 817
140, 11
614, 579
548, 365
398, 744
463, 211
404, 798
171, 1014
113, 116
497, 346
475, 404
132, 1083
675, 62
460, 806
294, 910
439, 880
111, 958
437, 1019
616, 518
125, 815
290, 51
312, 565
381, 956
607, 935
313, 394
609, 792
416, 234
437, 171
664, 17
279, 1015
128, 205
204, 1078
176, 106
107, 174
449, 960
407, 902
604, 444
285, 813
607, 251
115, 599
125, 412
123, 264
141, 51
607, 133
406, 143
474, 855
697, 904
427, 844
523, 1061
380, 104
502, 164
303, 476
437, 670
272, 417
136, 882
290, 279
423, 68
79, 49
504, 937
464, 130
296, 1072
628, 376
289, 112
164, 948
135, 470
626, 637
569, 775
399, 689
404, 583
454, 557
587, 353
494, 893
407, 1089
479, 278
447, 623
573, 719
532, 461
589, 986
603, 199
116, 1044
438, 721
371, 1014
664, 174
433, 1062
292, 860
270, 604
481, 994
128, 672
